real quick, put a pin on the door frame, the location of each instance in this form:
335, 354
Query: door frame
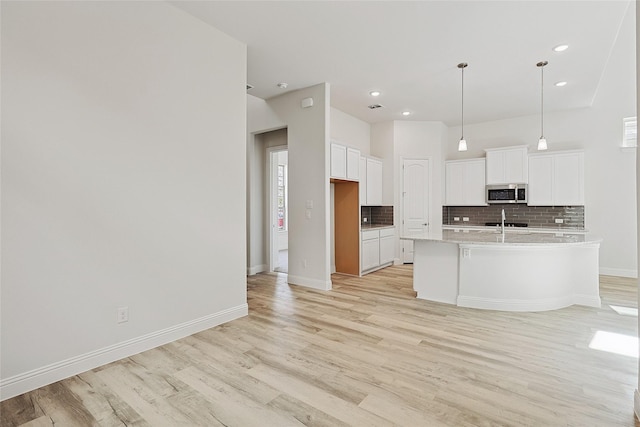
272, 206
404, 243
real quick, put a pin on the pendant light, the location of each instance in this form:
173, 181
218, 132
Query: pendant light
462, 145
542, 142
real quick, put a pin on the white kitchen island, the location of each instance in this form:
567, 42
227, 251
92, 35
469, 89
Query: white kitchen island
510, 271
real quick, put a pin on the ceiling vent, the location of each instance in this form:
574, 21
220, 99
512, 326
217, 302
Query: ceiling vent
374, 106
249, 86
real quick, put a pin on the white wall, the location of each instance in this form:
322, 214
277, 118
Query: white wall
263, 127
636, 395
398, 140
257, 200
115, 119
350, 131
416, 140
308, 142
610, 178
382, 147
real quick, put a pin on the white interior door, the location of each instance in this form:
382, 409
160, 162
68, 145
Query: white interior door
278, 221
415, 201
273, 210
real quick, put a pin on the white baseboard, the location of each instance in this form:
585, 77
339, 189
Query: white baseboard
31, 380
636, 404
256, 269
310, 283
542, 304
620, 272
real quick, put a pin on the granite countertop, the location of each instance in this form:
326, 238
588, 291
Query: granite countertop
370, 226
508, 238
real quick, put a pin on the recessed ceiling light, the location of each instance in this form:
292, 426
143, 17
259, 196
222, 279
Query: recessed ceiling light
561, 48
560, 84
374, 93
406, 113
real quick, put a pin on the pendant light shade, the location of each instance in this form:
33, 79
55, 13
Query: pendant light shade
462, 145
542, 142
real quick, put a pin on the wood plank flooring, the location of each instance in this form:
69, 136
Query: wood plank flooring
366, 353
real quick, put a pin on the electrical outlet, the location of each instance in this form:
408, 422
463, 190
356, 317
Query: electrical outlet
559, 221
122, 315
364, 219
456, 218
465, 218
304, 263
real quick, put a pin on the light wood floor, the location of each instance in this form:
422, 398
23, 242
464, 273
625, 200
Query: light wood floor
365, 354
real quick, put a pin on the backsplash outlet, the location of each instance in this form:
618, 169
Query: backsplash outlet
376, 215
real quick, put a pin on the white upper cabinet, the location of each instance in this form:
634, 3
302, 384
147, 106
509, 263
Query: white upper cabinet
363, 181
345, 162
374, 182
556, 179
353, 164
507, 165
465, 182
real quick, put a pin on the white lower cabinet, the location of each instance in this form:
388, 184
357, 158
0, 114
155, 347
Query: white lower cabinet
378, 248
370, 254
387, 245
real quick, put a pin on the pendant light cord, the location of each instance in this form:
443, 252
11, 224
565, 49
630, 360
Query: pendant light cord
541, 65
542, 102
462, 66
462, 105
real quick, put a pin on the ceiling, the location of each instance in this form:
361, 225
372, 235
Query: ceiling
409, 51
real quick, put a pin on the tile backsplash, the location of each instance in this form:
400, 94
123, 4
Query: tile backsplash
533, 216
376, 215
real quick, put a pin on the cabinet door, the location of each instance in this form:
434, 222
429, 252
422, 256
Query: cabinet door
568, 175
507, 165
540, 181
473, 183
515, 166
387, 249
353, 164
338, 161
495, 167
362, 187
454, 183
370, 254
374, 182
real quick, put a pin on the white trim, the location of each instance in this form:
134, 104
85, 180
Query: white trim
256, 269
323, 285
271, 179
31, 380
620, 272
636, 404
543, 304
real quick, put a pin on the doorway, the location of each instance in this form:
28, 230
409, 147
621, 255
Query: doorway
416, 185
278, 191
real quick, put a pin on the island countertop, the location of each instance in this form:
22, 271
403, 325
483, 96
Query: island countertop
508, 238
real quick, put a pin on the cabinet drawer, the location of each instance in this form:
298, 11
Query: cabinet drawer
370, 234
386, 232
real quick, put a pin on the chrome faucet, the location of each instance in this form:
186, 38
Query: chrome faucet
503, 218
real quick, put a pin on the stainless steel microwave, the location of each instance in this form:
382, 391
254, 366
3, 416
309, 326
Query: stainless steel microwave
507, 193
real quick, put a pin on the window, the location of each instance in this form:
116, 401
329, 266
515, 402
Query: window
630, 132
282, 197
